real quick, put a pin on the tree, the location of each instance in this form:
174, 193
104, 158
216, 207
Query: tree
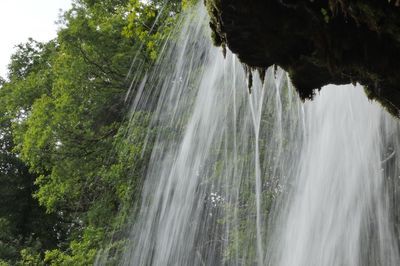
24, 224
68, 164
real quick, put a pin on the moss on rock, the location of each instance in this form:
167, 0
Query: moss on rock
318, 42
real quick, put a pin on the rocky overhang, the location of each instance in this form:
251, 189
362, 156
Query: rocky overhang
316, 42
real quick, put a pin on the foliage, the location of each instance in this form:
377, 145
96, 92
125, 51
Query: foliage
150, 22
68, 173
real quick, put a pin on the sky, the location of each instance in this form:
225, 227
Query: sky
21, 19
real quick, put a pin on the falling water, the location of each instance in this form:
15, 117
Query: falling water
260, 178
336, 211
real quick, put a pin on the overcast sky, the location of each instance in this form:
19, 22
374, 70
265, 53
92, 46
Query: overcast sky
21, 19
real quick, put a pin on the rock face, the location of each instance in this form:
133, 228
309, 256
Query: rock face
318, 42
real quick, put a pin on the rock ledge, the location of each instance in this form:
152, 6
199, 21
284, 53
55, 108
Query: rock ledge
316, 42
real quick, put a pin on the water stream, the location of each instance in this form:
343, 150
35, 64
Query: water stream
261, 178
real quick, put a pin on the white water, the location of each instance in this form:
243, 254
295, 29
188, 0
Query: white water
261, 178
337, 211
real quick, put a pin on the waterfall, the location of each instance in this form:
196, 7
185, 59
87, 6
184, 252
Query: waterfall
336, 212
239, 177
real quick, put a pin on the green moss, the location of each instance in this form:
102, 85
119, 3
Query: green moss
325, 14
215, 25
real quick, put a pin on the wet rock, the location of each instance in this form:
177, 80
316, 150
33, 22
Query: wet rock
318, 42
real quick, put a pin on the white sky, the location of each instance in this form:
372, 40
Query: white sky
21, 19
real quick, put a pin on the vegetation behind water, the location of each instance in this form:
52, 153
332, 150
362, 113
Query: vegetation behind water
68, 173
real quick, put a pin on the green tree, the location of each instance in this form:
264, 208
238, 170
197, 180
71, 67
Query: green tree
23, 223
63, 112
68, 172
